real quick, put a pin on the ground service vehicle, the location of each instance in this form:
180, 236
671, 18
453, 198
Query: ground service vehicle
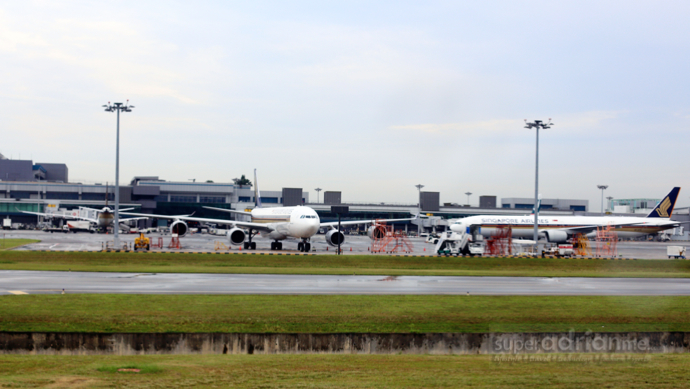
677, 252
454, 243
142, 242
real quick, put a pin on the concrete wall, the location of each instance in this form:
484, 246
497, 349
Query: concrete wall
356, 343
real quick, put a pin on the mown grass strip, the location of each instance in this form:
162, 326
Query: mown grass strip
344, 264
6, 244
341, 313
346, 371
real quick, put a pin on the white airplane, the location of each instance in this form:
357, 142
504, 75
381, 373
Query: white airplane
277, 223
104, 217
558, 229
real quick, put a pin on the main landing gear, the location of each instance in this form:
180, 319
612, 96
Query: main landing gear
304, 246
250, 245
276, 245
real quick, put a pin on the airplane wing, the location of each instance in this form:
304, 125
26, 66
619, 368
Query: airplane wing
229, 211
353, 222
253, 226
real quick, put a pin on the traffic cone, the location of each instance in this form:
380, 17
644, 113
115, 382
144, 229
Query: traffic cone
350, 248
424, 248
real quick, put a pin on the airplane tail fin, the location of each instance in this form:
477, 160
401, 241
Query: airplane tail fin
257, 194
538, 207
665, 207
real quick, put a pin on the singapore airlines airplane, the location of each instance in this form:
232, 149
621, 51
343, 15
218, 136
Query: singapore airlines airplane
558, 229
276, 223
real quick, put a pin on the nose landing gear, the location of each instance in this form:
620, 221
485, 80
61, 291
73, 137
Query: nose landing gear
304, 246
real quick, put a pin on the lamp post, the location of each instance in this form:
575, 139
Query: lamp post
317, 194
603, 188
117, 107
609, 198
537, 124
419, 204
468, 197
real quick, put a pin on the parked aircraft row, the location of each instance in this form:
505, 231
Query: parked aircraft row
302, 223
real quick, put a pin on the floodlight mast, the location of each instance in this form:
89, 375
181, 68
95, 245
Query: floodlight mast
602, 187
537, 124
117, 107
419, 189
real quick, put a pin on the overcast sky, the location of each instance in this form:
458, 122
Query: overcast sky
365, 97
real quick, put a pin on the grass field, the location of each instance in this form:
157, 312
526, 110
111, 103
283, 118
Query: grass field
342, 371
344, 264
6, 244
340, 313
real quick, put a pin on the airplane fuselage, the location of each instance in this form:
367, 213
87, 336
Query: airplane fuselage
295, 222
523, 226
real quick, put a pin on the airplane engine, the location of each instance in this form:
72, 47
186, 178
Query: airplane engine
179, 227
376, 232
333, 237
556, 236
236, 236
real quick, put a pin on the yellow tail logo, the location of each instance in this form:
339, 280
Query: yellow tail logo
662, 210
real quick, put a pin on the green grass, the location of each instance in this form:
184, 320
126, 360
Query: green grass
341, 371
6, 244
341, 313
344, 264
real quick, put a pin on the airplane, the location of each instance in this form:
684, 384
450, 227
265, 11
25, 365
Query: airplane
558, 229
277, 223
104, 217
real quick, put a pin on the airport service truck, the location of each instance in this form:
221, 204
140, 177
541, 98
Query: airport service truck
454, 243
7, 224
80, 225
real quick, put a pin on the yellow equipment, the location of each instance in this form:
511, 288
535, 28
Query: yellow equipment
142, 242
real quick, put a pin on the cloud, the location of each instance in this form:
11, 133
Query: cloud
581, 121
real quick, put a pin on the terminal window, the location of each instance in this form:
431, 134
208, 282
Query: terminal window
183, 199
210, 199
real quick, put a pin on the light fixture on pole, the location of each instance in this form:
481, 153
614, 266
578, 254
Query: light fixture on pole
117, 107
537, 124
603, 188
317, 194
468, 197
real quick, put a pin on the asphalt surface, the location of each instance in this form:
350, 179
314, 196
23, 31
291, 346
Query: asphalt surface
47, 282
204, 242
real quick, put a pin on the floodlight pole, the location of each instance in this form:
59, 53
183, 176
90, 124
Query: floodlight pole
419, 199
602, 187
537, 124
117, 107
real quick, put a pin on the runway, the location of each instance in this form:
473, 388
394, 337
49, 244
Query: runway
47, 282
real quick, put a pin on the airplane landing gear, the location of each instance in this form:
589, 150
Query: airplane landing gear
304, 246
276, 245
249, 245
